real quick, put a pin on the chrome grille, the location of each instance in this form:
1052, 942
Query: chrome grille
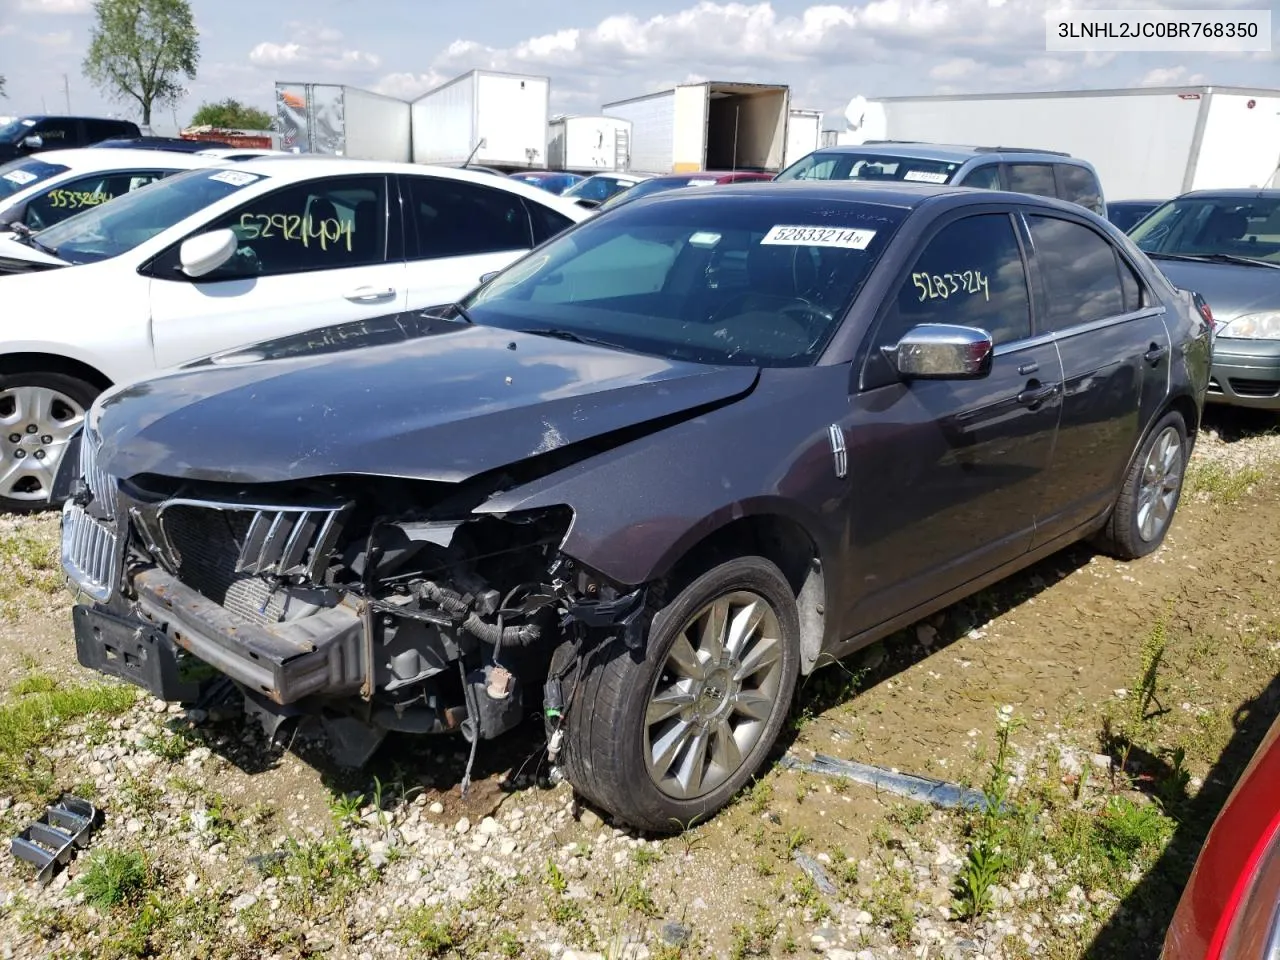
92, 554
100, 484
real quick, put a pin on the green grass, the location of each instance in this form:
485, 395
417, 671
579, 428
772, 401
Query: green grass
32, 718
320, 873
113, 877
1220, 483
431, 935
29, 566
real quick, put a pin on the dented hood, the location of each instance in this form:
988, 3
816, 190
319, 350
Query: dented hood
405, 396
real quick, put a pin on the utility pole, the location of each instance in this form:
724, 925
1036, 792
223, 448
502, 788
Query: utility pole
66, 91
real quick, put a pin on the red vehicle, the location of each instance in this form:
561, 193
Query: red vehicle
1230, 909
707, 178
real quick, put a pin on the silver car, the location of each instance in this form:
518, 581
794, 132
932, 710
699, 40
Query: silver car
1225, 246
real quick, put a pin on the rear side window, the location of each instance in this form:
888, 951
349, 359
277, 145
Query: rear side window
454, 218
970, 274
1033, 178
546, 222
1081, 272
1077, 185
986, 177
73, 196
1131, 286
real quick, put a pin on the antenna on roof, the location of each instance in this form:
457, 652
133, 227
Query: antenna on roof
472, 155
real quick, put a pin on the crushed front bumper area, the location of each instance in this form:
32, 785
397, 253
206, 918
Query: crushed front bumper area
281, 662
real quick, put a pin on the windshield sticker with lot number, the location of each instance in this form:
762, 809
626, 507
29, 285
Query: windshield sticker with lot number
799, 236
75, 199
19, 176
925, 176
234, 177
701, 183
943, 286
324, 234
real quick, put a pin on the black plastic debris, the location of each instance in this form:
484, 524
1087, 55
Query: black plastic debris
940, 793
50, 841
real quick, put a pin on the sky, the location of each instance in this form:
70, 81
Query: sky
611, 49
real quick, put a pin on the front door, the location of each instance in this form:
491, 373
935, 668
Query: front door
946, 475
312, 254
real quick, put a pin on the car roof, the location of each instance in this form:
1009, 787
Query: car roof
295, 167
90, 160
942, 152
897, 194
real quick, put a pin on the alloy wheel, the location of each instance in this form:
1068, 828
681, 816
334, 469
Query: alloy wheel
1161, 481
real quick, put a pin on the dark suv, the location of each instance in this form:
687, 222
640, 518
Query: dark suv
1043, 173
643, 479
32, 134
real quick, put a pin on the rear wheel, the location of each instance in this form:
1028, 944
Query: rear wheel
670, 739
39, 413
1151, 491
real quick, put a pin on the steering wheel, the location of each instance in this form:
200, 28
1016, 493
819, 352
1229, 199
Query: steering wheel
812, 319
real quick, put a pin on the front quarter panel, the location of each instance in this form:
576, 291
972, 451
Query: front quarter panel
640, 507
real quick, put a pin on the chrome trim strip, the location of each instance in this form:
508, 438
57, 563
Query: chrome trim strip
92, 555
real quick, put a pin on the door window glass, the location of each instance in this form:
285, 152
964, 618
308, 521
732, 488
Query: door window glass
1033, 178
318, 225
970, 274
1080, 271
546, 222
57, 133
1077, 185
1131, 284
73, 196
454, 218
986, 177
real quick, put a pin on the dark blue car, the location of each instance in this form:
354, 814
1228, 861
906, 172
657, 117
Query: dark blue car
552, 181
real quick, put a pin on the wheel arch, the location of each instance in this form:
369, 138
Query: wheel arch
783, 541
35, 361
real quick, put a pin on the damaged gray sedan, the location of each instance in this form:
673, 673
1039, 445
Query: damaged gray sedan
640, 481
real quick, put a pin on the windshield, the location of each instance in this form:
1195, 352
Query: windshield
596, 188
656, 185
20, 174
708, 278
117, 227
15, 130
868, 166
1213, 226
1125, 215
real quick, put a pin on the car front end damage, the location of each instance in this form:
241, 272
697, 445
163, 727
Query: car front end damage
367, 604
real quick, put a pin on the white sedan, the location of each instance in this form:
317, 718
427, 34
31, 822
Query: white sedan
216, 258
45, 188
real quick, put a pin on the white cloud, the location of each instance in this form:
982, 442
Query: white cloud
408, 86
54, 6
314, 45
1172, 77
60, 39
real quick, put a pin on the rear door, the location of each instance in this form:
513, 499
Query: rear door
1110, 332
951, 470
1076, 184
1034, 178
457, 232
311, 254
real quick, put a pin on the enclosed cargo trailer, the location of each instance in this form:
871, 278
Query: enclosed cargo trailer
1150, 142
589, 144
804, 129
707, 126
491, 119
342, 121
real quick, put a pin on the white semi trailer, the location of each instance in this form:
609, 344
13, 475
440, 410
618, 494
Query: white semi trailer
1146, 143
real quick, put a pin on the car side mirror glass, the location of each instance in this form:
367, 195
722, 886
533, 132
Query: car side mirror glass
938, 351
202, 254
33, 142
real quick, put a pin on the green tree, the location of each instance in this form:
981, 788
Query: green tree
141, 50
231, 114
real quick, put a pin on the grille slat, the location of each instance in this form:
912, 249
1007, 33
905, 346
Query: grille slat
91, 553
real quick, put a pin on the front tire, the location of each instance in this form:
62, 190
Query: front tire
39, 413
669, 740
1149, 498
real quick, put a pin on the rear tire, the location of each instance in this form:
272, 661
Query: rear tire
1149, 498
669, 740
39, 413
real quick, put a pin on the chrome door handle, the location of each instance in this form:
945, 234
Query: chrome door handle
369, 295
1155, 354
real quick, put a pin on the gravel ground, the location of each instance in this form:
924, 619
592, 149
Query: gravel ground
1099, 702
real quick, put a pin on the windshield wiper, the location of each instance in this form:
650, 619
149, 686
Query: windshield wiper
560, 333
1215, 258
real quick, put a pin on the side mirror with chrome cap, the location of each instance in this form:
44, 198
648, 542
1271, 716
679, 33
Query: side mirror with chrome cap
941, 351
202, 254
33, 142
